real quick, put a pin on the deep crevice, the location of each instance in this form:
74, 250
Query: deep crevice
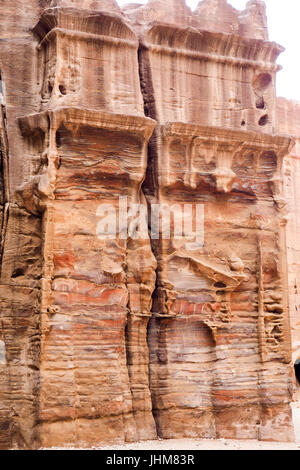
150, 183
4, 184
297, 370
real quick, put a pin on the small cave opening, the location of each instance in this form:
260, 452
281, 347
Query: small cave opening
62, 90
220, 285
297, 370
58, 163
18, 273
1, 85
262, 81
44, 160
243, 123
260, 103
58, 138
220, 292
263, 120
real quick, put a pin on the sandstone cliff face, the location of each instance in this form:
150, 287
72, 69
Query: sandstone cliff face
289, 123
127, 338
218, 323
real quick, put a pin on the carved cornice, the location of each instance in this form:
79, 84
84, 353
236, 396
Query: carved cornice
280, 143
76, 116
213, 46
86, 23
79, 35
220, 146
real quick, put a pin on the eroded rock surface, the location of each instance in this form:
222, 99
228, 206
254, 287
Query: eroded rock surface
118, 339
289, 123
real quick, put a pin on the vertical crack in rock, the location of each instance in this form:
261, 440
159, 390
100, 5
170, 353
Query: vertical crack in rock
148, 188
141, 281
149, 185
5, 437
4, 183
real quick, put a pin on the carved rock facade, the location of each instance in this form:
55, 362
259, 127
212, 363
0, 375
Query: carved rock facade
106, 340
289, 122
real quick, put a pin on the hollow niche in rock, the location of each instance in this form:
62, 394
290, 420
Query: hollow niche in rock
297, 371
261, 86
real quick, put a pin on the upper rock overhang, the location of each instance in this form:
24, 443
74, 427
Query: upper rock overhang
213, 46
280, 143
73, 117
88, 22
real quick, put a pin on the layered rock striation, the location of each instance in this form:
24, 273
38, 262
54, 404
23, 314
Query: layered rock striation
107, 335
289, 123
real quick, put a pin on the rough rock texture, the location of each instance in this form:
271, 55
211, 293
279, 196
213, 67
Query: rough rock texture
124, 339
289, 123
220, 326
